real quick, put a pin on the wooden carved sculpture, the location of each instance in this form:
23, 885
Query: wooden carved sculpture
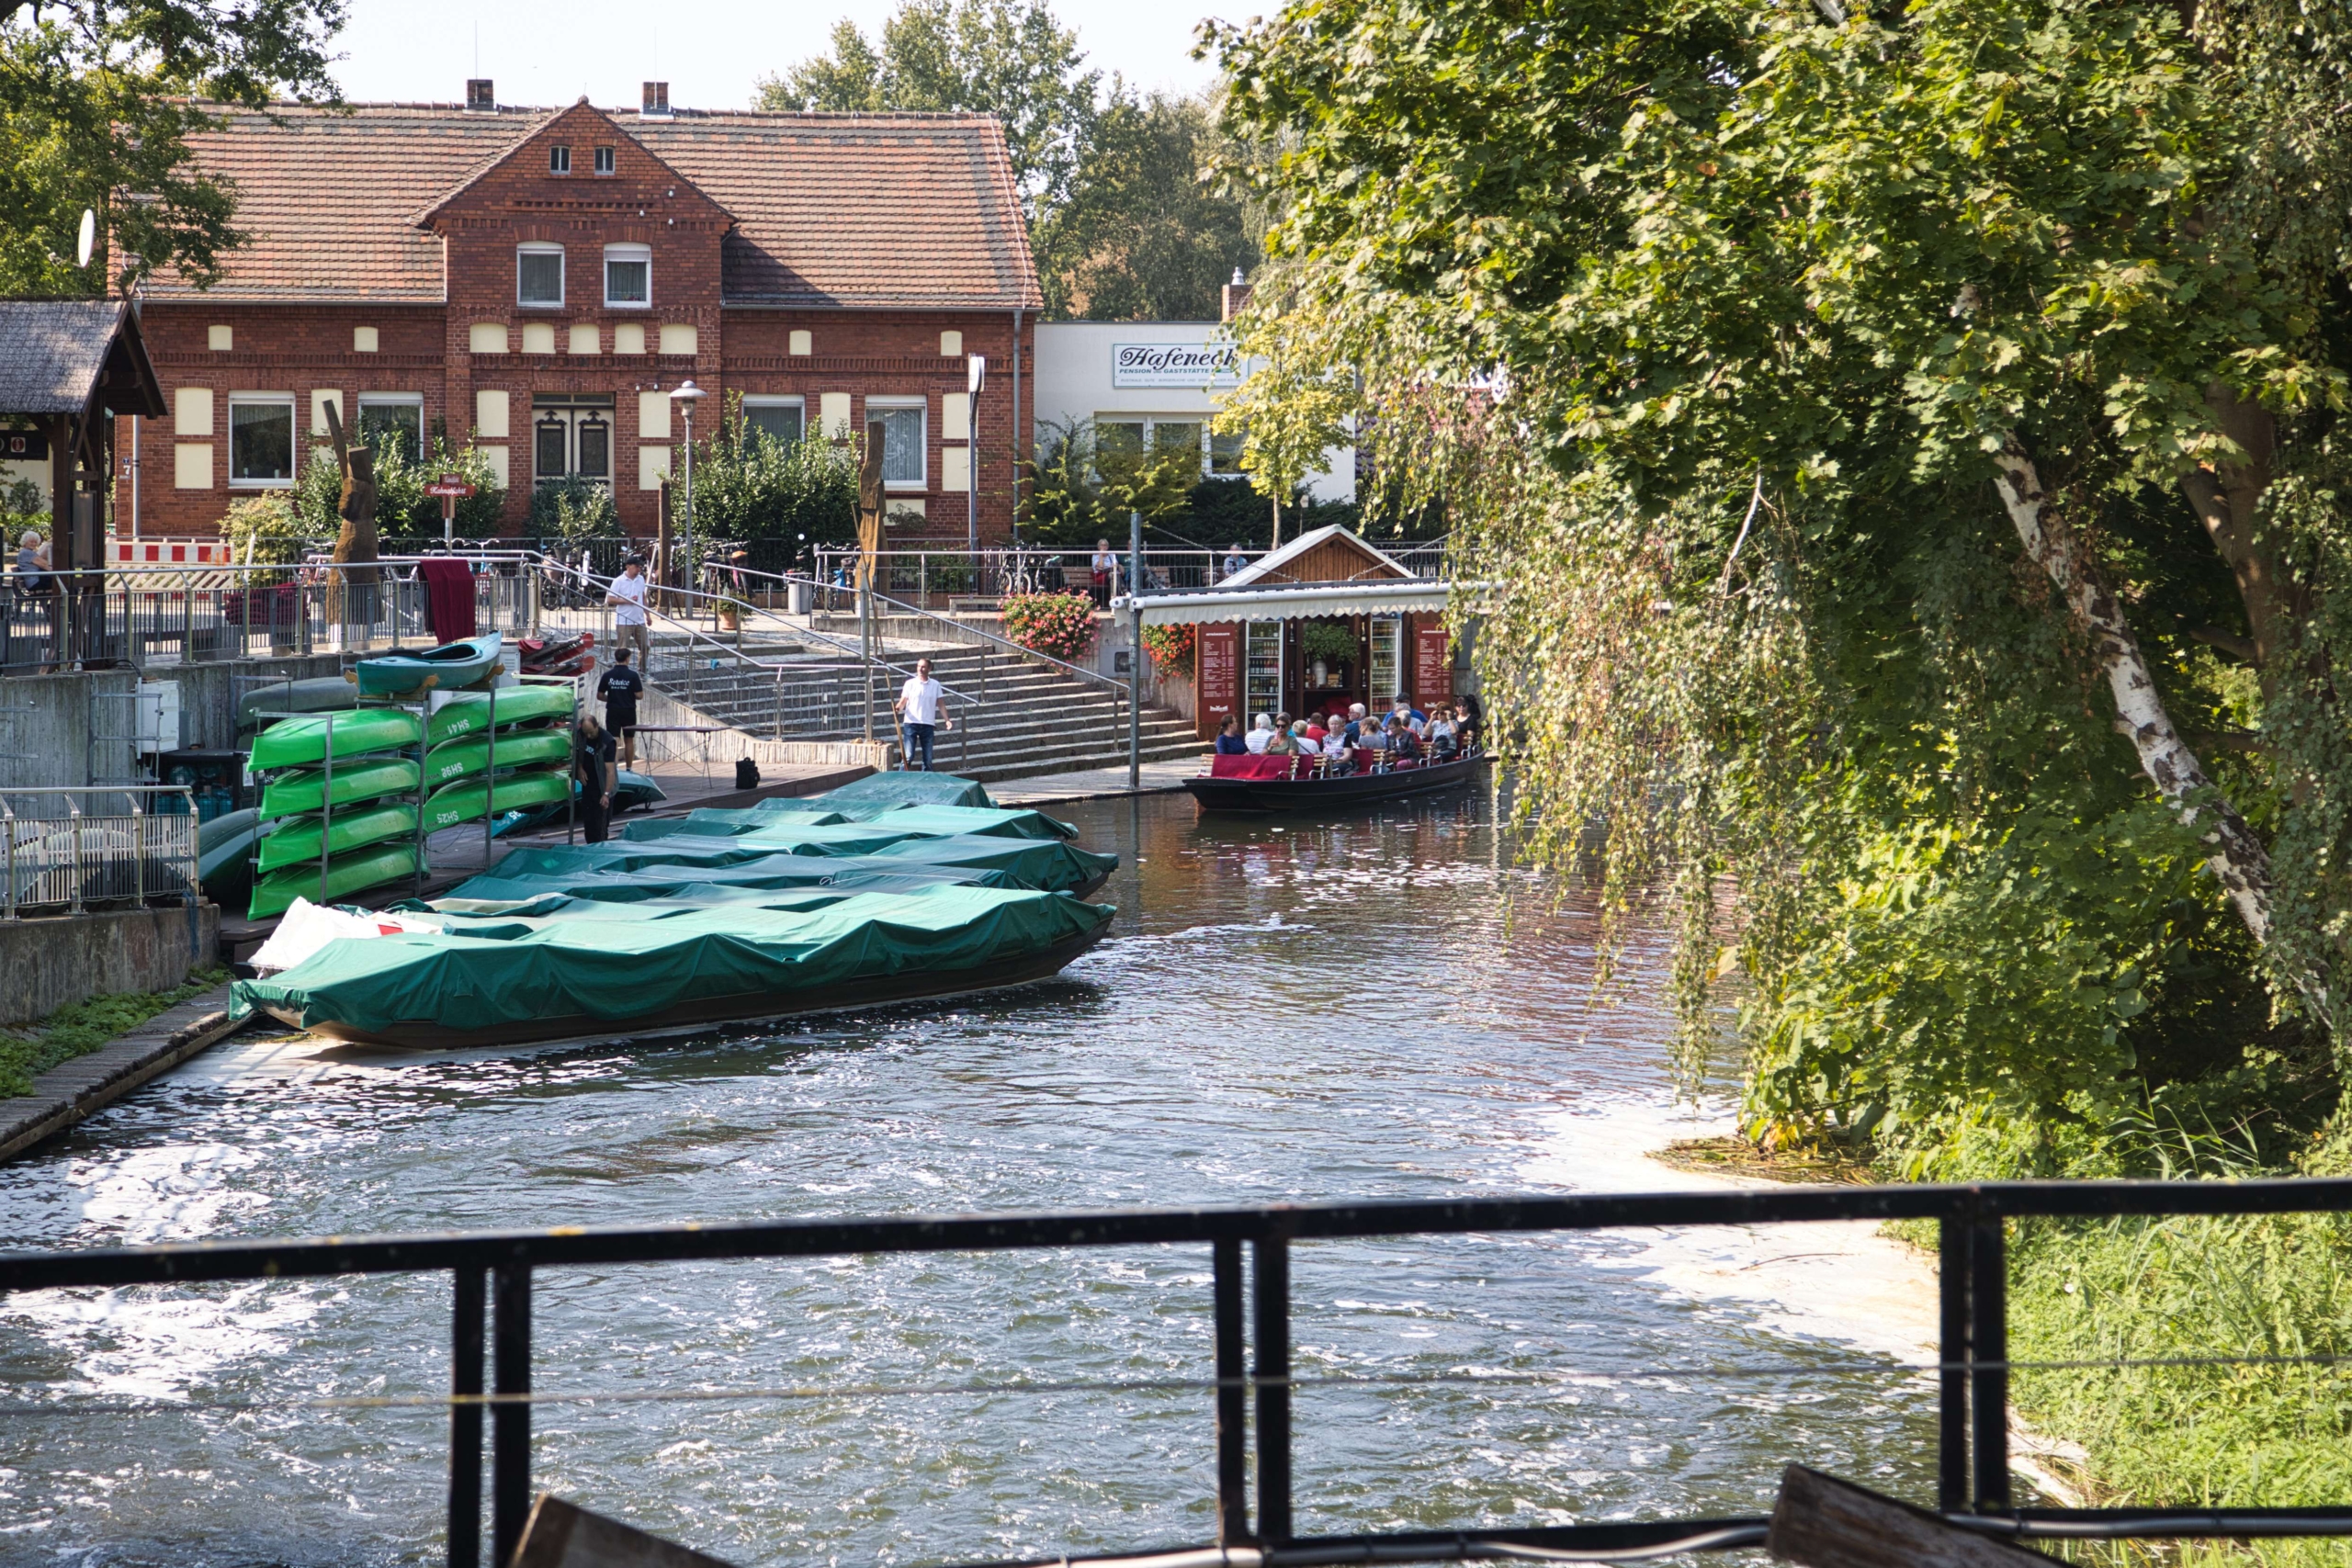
351, 591
869, 504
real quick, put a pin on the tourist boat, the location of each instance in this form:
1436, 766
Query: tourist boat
1283, 783
446, 669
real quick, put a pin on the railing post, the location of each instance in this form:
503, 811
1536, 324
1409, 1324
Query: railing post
510, 1424
1272, 1257
1988, 1315
1951, 1415
465, 1422
1232, 1398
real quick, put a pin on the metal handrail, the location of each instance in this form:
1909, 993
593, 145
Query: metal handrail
8, 820
900, 605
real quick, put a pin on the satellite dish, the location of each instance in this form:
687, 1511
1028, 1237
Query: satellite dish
89, 242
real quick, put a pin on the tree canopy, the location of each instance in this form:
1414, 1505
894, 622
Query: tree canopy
1121, 221
96, 103
1868, 411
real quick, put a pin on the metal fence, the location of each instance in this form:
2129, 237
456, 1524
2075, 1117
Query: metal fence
950, 579
1251, 1389
96, 847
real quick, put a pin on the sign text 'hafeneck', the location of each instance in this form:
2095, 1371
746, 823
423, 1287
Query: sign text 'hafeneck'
1172, 363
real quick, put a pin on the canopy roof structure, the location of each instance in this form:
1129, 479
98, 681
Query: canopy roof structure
75, 358
1291, 601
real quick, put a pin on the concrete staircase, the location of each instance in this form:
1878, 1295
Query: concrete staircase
1016, 720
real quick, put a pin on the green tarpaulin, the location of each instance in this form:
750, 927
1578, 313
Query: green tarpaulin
1047, 864
988, 821
888, 791
609, 971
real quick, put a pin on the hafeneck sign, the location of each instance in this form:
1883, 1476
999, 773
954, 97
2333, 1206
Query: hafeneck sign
1175, 364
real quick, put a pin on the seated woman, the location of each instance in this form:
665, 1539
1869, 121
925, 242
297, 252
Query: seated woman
1228, 738
1282, 742
1337, 756
1443, 737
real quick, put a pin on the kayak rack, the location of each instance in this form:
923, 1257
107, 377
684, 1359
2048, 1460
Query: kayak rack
1249, 1346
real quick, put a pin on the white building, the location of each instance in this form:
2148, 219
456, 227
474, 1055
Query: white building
1161, 381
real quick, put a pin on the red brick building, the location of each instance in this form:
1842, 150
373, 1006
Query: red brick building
539, 281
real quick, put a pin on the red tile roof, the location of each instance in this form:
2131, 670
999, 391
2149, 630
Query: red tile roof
842, 210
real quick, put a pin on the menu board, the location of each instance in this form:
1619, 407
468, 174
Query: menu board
1219, 654
1432, 666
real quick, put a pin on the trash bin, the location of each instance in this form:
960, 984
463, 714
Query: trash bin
800, 595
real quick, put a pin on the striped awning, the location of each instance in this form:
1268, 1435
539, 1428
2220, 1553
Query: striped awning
1294, 601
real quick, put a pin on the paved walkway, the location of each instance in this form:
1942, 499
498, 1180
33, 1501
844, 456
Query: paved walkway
1159, 778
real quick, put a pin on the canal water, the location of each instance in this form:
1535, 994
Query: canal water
1373, 1007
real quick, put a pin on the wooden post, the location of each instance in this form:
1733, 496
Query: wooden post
869, 546
351, 585
1823, 1522
660, 572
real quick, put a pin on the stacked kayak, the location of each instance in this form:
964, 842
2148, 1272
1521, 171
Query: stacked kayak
738, 915
361, 787
449, 668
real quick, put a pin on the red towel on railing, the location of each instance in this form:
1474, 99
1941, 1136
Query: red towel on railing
448, 599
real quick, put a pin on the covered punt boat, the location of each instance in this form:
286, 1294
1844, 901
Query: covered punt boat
1046, 864
519, 979
990, 821
445, 668
1276, 783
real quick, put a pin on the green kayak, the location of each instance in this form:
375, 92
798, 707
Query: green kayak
446, 669
320, 695
298, 840
366, 778
468, 713
468, 802
292, 742
275, 894
224, 854
524, 749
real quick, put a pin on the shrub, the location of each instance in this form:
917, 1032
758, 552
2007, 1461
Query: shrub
575, 512
268, 526
750, 485
1060, 625
402, 509
1331, 640
1171, 648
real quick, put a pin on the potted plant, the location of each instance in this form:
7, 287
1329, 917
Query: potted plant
1328, 643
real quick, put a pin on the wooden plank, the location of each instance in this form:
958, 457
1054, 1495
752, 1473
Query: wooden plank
559, 1535
1823, 1522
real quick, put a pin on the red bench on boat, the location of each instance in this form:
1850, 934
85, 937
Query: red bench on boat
1251, 767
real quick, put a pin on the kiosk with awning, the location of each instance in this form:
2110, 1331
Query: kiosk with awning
1327, 620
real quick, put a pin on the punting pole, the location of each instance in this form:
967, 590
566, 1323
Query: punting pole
1135, 656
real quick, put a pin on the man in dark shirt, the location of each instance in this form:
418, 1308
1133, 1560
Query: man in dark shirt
591, 765
618, 689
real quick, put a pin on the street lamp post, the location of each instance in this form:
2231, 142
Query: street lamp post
976, 376
686, 397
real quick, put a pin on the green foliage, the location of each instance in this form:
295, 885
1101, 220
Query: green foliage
1059, 624
266, 529
1008, 58
97, 102
1701, 323
402, 509
749, 485
1145, 234
1327, 640
574, 512
1121, 220
1082, 487
83, 1027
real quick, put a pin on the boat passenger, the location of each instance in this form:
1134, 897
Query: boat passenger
1259, 733
1354, 729
1282, 743
1415, 719
593, 763
1228, 738
1337, 759
1474, 719
1403, 744
1314, 732
1444, 739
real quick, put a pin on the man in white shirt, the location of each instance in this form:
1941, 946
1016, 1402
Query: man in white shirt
1259, 733
626, 595
921, 716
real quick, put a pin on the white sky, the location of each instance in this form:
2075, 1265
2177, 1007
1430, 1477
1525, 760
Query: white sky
710, 51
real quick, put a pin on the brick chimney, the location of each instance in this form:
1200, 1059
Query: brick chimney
657, 99
1237, 296
480, 95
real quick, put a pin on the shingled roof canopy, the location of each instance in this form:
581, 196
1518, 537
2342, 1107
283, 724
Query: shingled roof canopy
73, 356
867, 211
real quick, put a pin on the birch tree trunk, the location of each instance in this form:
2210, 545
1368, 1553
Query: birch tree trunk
2233, 854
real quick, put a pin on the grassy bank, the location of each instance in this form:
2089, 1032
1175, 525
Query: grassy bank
81, 1028
2225, 1434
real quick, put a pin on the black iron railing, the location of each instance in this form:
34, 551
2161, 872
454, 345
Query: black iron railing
493, 1274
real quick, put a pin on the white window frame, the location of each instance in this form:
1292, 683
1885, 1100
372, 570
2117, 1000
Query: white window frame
751, 402
294, 438
607, 160
921, 407
628, 253
365, 401
562, 274
1151, 424
559, 158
